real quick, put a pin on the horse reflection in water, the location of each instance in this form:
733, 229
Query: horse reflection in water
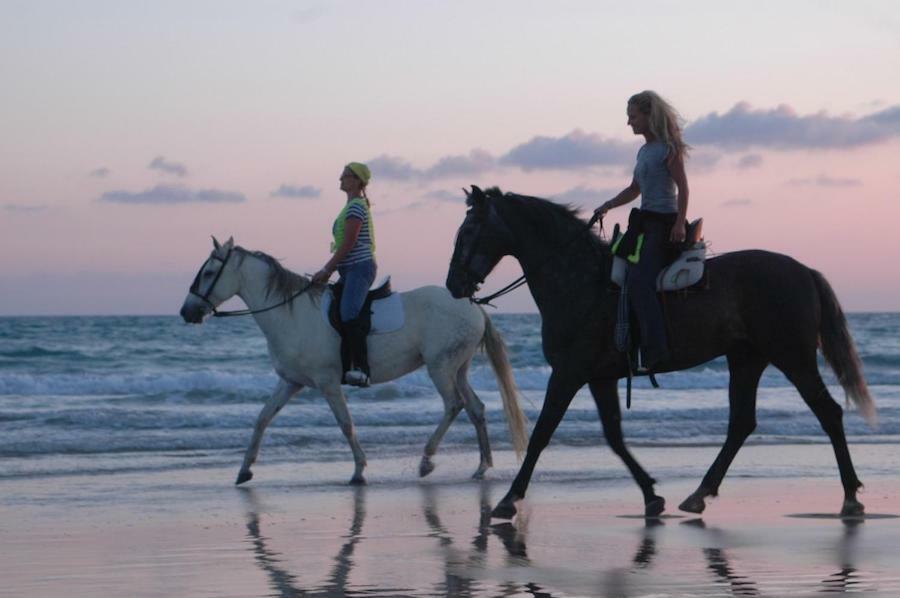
466, 570
460, 563
718, 563
284, 583
848, 578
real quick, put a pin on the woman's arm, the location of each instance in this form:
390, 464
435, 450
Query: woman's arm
629, 193
676, 169
352, 227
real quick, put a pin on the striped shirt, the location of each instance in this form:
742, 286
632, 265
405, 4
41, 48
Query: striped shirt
362, 250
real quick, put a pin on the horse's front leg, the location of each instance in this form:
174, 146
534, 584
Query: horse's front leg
338, 403
282, 394
560, 390
606, 396
745, 368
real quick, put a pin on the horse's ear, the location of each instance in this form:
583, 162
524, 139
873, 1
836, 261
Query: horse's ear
216, 245
476, 197
229, 244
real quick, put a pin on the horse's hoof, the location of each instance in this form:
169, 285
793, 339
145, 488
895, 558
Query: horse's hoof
357, 480
852, 508
655, 506
244, 476
505, 509
478, 475
425, 467
693, 504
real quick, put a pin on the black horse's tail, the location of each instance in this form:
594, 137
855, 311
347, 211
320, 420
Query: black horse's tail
840, 351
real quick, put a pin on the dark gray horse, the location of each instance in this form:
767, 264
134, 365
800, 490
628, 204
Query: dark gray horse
760, 308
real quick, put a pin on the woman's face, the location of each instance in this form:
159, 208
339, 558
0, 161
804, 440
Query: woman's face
350, 183
637, 120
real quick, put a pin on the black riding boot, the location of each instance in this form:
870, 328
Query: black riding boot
355, 353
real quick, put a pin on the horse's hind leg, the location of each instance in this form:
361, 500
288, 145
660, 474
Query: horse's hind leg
282, 394
745, 367
453, 404
338, 403
606, 396
475, 411
830, 416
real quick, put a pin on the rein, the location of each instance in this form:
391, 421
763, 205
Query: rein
248, 312
238, 312
521, 280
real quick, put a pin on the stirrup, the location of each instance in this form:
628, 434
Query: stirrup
356, 378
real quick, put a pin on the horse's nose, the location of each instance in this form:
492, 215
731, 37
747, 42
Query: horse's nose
189, 315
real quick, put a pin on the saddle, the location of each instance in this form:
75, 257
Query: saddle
381, 312
686, 269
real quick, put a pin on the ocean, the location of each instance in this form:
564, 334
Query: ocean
93, 396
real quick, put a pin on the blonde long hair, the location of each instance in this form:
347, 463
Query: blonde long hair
665, 122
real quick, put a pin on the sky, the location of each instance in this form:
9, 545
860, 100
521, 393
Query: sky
133, 131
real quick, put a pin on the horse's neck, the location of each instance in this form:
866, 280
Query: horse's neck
558, 272
254, 280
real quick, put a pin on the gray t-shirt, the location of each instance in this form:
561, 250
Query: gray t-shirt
652, 175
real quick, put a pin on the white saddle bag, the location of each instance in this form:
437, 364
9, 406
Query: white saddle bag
684, 272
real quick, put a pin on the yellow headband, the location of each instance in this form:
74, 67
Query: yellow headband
361, 171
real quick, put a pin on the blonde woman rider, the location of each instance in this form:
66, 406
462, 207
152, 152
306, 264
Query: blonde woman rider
353, 257
660, 180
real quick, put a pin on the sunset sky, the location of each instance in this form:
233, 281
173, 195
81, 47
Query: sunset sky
132, 131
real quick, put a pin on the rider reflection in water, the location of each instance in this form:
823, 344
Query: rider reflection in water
662, 216
354, 259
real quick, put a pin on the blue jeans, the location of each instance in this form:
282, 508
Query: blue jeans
357, 278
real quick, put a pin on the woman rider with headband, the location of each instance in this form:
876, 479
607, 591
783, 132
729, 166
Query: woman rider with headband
354, 259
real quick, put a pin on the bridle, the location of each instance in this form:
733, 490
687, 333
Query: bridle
195, 290
464, 264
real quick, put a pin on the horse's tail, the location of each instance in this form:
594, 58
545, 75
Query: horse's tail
515, 417
840, 351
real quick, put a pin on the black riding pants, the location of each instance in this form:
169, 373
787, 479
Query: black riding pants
641, 284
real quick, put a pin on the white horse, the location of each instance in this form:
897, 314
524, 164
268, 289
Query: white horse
439, 331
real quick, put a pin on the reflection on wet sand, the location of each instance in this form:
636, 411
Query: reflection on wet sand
470, 567
717, 560
458, 564
457, 561
848, 578
643, 558
282, 582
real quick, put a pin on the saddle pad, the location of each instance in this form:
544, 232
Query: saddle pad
387, 313
684, 272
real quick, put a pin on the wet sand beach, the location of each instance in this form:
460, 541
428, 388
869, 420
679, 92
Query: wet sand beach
297, 531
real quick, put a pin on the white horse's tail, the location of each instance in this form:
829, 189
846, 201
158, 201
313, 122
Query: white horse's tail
515, 417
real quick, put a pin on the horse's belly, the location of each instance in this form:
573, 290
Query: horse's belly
390, 357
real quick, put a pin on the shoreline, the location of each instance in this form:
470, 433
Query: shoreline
193, 533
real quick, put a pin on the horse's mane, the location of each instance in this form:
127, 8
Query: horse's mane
552, 216
282, 281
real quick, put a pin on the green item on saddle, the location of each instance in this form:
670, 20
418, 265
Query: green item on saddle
633, 257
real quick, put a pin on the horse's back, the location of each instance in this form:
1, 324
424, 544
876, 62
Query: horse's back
439, 320
435, 304
765, 279
767, 299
